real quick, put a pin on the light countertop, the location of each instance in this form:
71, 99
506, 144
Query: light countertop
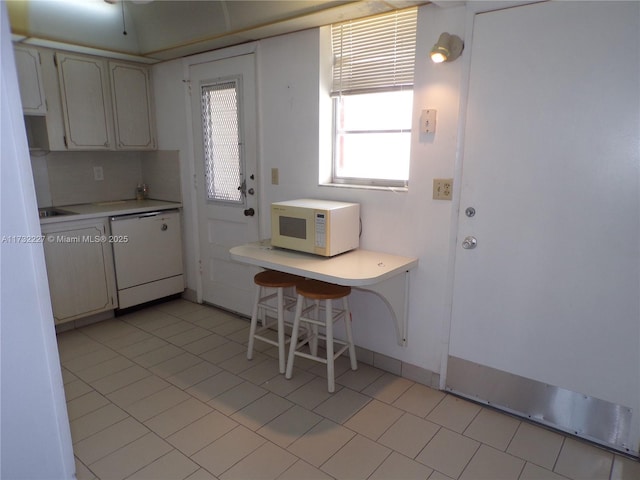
355, 268
107, 209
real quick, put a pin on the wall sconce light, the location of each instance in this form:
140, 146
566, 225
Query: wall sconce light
447, 48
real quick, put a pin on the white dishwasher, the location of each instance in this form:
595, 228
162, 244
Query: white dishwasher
147, 251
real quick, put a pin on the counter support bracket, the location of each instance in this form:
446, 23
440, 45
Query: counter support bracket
394, 292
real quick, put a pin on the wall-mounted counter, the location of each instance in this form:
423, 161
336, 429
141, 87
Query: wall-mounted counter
381, 273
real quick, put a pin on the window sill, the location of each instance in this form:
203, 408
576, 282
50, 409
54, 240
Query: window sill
367, 187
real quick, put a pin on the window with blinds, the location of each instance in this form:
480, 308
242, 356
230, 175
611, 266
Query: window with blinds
372, 90
375, 53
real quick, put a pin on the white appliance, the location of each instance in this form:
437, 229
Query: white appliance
147, 251
321, 227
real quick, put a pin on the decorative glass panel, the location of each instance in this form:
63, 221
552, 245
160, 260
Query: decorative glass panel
222, 151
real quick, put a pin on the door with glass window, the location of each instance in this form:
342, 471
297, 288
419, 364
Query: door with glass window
223, 105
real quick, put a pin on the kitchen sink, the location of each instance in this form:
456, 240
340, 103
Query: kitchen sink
52, 212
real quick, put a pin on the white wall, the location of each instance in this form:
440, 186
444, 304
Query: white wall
172, 126
292, 90
35, 439
411, 223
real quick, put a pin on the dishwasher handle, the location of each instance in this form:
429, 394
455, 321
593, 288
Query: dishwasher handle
142, 215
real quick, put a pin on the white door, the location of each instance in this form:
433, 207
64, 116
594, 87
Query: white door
547, 301
223, 105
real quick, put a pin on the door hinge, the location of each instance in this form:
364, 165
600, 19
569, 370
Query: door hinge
64, 137
55, 60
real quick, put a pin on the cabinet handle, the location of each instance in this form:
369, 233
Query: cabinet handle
164, 227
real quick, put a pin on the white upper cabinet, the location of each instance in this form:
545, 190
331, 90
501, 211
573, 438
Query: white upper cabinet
92, 103
132, 107
30, 80
86, 104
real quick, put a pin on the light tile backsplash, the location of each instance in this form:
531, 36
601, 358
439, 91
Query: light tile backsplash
161, 171
67, 178
41, 180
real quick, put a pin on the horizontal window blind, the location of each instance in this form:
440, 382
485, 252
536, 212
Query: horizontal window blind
375, 53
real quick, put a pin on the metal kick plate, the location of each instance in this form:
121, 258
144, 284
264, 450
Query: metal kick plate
588, 417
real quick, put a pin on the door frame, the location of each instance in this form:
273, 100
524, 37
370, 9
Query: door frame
187, 63
457, 189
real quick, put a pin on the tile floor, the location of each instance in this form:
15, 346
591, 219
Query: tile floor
167, 393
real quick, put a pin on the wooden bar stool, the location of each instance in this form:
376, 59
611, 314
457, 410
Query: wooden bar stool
328, 292
272, 297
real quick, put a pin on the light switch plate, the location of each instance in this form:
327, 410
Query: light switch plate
428, 121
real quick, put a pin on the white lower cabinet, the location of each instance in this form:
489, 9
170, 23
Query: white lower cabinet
80, 268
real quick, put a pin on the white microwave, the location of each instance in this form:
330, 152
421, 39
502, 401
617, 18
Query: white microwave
321, 227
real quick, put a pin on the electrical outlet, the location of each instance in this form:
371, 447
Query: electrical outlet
275, 176
442, 188
98, 174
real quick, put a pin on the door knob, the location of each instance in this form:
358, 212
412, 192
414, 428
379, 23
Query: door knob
249, 212
469, 243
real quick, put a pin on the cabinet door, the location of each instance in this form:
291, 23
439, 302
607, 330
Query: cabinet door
80, 269
47, 132
30, 79
131, 94
86, 102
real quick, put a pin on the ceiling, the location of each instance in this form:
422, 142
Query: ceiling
158, 30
